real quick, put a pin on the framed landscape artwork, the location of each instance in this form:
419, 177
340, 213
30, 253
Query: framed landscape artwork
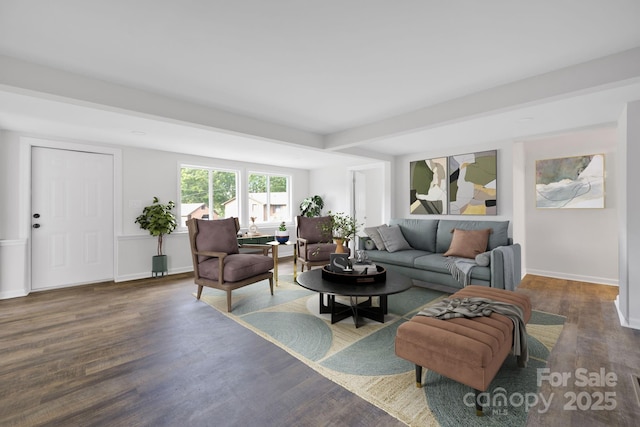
428, 186
472, 183
570, 182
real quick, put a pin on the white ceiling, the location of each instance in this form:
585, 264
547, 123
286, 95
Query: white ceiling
305, 83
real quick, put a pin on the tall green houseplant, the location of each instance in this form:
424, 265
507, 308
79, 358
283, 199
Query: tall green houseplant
311, 206
158, 220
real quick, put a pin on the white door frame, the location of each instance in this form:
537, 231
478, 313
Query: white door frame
24, 209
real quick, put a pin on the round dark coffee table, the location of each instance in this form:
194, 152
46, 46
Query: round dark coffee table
394, 284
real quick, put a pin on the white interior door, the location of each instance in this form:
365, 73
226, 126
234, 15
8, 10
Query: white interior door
72, 218
360, 201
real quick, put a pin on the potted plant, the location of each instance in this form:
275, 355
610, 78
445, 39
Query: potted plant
158, 220
282, 234
343, 228
311, 206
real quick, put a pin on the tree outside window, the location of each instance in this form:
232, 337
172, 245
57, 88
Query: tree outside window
202, 188
212, 193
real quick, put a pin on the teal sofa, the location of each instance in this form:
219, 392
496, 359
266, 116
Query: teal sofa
430, 239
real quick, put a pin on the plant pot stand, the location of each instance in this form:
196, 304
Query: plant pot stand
159, 266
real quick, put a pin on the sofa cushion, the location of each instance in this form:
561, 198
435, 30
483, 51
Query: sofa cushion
217, 236
374, 235
236, 267
320, 251
420, 233
393, 239
468, 243
438, 263
498, 237
315, 229
401, 258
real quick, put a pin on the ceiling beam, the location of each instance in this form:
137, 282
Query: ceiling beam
35, 80
604, 73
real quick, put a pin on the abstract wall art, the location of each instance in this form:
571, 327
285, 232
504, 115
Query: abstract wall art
570, 182
428, 182
472, 183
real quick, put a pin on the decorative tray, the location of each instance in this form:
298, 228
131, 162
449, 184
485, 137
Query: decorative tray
354, 277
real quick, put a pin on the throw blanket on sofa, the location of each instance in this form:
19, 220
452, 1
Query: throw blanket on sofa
475, 307
460, 269
511, 281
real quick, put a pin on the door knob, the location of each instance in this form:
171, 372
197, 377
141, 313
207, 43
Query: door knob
36, 225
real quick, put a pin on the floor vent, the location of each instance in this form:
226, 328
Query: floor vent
636, 386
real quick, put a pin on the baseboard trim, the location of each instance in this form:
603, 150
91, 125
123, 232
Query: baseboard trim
574, 277
631, 323
12, 294
147, 274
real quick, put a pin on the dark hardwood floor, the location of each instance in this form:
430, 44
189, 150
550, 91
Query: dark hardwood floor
592, 340
147, 353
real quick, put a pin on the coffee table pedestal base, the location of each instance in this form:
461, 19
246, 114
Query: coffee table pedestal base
366, 309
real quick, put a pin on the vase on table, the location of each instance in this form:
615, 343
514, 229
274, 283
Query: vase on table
253, 228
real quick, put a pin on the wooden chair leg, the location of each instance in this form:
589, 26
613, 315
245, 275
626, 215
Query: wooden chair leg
271, 284
229, 301
418, 376
199, 292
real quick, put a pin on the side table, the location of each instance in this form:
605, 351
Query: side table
274, 252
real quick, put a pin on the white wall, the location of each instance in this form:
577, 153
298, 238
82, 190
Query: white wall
574, 244
149, 173
555, 243
9, 185
142, 175
334, 186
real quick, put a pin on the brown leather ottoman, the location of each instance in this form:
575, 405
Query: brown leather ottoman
468, 350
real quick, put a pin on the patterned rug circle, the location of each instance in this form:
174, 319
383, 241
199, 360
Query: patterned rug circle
510, 396
303, 333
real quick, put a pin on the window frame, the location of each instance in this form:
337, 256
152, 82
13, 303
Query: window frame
289, 184
210, 190
242, 192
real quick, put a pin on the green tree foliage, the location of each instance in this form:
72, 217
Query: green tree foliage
257, 183
195, 187
278, 184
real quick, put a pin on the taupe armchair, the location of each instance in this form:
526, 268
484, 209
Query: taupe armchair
217, 262
314, 242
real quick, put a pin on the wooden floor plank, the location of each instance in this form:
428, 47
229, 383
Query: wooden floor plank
147, 353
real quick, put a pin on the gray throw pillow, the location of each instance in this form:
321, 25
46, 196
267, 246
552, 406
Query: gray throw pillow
393, 238
483, 259
374, 235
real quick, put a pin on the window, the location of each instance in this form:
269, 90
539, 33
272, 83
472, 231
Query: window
208, 193
269, 198
202, 188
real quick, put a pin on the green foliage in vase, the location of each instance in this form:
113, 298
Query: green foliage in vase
343, 226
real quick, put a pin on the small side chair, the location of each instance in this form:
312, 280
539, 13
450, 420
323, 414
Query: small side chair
217, 262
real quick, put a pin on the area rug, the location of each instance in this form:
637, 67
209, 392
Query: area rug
363, 359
